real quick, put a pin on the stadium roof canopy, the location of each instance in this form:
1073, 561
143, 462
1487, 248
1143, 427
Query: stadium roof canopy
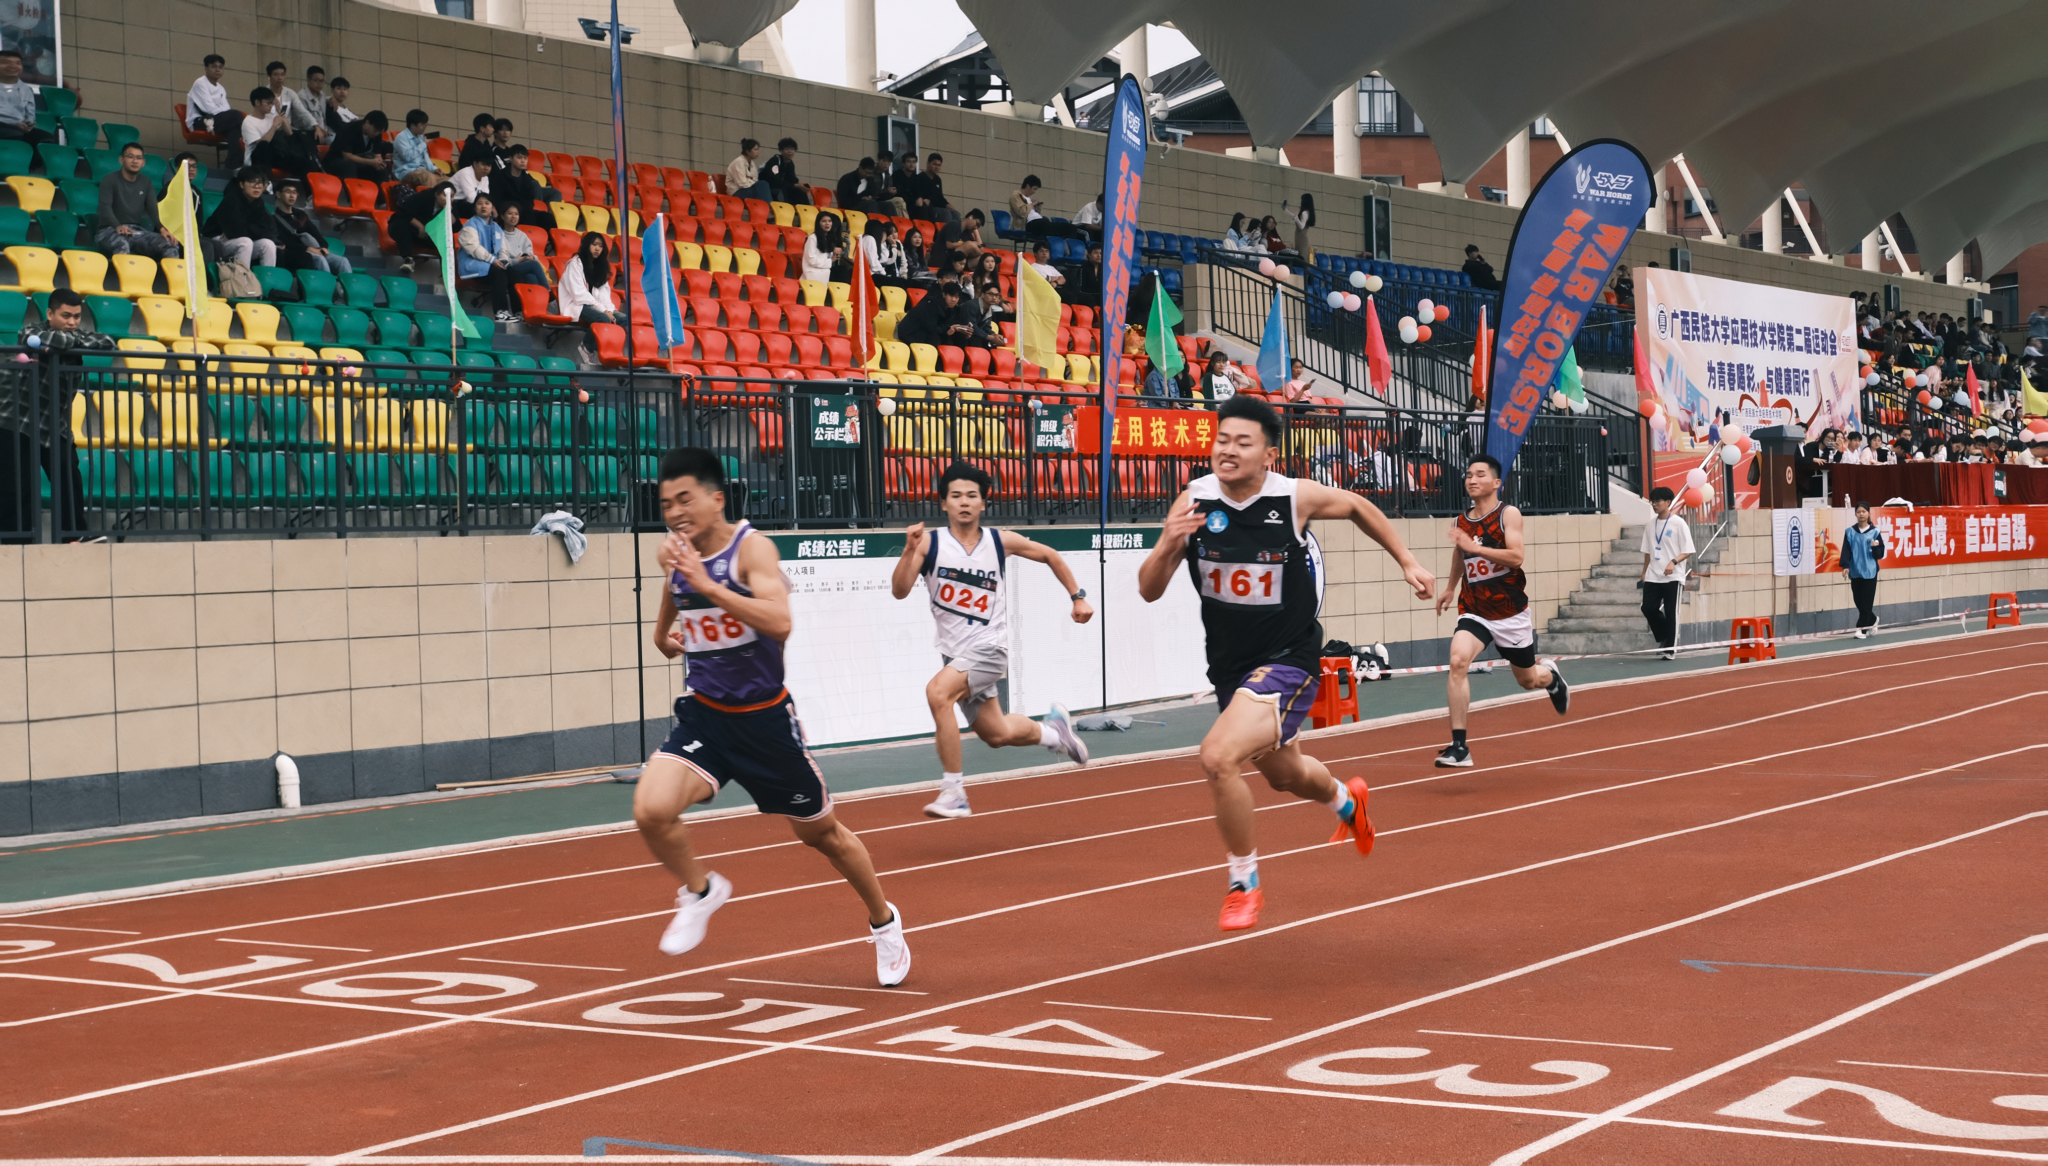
1872, 109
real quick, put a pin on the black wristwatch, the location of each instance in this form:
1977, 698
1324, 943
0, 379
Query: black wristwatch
1080, 595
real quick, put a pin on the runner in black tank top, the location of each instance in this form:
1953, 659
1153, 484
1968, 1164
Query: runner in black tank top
1493, 603
1243, 532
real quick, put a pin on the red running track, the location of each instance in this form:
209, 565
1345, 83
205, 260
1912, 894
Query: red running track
1789, 913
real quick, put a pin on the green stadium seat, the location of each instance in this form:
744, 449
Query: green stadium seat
81, 196
369, 477
319, 474
162, 478
238, 420
101, 162
277, 281
521, 421
351, 325
517, 360
601, 476
285, 419
101, 469
13, 312
468, 359
423, 478
399, 291
111, 314
60, 229
269, 476
382, 355
317, 288
227, 483
601, 427
59, 162
558, 471
561, 421
308, 324
394, 328
83, 132
60, 102
515, 479
155, 169
118, 135
360, 288
209, 202
16, 157
436, 328
14, 224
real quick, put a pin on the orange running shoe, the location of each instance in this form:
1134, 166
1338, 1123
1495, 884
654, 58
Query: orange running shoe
1359, 828
1241, 909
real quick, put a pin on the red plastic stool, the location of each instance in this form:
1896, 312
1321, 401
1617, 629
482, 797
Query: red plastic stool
1754, 639
1336, 695
2011, 618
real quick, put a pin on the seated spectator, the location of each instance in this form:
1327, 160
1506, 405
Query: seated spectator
480, 142
514, 186
825, 250
300, 245
883, 253
1222, 380
937, 319
1300, 386
312, 102
988, 274
471, 181
1233, 236
780, 175
266, 144
32, 432
486, 250
1027, 213
1275, 244
244, 226
408, 225
206, 103
19, 102
1086, 287
1252, 238
908, 184
1623, 287
915, 259
501, 145
585, 293
988, 316
931, 193
962, 237
1478, 270
293, 119
743, 176
888, 178
409, 148
1089, 218
1041, 262
522, 265
359, 149
127, 212
857, 187
338, 113
953, 266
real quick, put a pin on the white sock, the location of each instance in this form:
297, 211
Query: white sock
1047, 737
1244, 872
952, 781
1342, 802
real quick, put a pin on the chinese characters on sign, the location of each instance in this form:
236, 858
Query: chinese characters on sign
832, 548
1152, 432
835, 423
1954, 534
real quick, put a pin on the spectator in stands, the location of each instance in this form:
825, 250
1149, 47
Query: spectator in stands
266, 143
1087, 285
522, 263
987, 274
206, 103
501, 145
1041, 262
938, 318
359, 149
857, 189
472, 181
1233, 236
931, 192
409, 148
1623, 287
824, 257
338, 113
743, 176
962, 236
915, 258
300, 245
1217, 381
1027, 213
1253, 237
514, 186
987, 313
1854, 452
480, 142
585, 292
909, 184
883, 253
953, 266
127, 212
1478, 270
19, 102
1862, 548
313, 101
1089, 218
780, 175
1299, 385
35, 438
408, 224
888, 189
1269, 227
1304, 222
481, 253
244, 226
2037, 324
293, 118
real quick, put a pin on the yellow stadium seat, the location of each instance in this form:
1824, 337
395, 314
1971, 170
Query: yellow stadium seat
259, 323
289, 351
213, 321
689, 257
147, 368
371, 425
633, 223
894, 300
856, 224
884, 378
913, 385
181, 420
137, 274
967, 383
35, 268
841, 295
248, 376
430, 429
82, 406
807, 218
814, 292
896, 356
33, 194
717, 257
925, 357
785, 213
1080, 370
122, 419
197, 347
566, 215
174, 279
348, 355
162, 317
597, 218
937, 379
87, 271
885, 326
746, 260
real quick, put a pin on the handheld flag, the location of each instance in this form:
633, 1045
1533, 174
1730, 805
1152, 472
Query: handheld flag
862, 308
1970, 385
2033, 402
1038, 317
1569, 381
441, 232
1160, 345
1479, 370
658, 286
176, 214
1273, 363
1379, 363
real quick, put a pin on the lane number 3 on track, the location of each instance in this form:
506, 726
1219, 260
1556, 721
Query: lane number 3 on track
1456, 1079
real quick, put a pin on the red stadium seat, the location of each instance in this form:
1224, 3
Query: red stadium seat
838, 352
697, 282
729, 285
952, 361
746, 346
810, 351
796, 318
703, 311
767, 316
533, 305
774, 264
714, 344
827, 317
778, 348
788, 292
977, 362
611, 345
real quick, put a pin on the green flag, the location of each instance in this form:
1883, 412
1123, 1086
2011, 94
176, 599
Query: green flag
1159, 341
1569, 382
442, 232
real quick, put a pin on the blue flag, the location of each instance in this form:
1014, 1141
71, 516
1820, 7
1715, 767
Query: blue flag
1123, 173
1273, 363
658, 285
1571, 235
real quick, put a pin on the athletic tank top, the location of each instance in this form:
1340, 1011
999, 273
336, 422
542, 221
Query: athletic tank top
966, 590
1255, 569
1491, 591
730, 663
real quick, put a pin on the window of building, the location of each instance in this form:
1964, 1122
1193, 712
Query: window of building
1379, 107
466, 9
1541, 128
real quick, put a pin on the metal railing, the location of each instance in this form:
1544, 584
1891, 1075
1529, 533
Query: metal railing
176, 445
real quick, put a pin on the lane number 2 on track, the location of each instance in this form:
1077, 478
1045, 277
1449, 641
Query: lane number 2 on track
1775, 1104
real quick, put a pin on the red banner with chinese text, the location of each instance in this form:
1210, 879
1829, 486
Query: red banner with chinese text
1148, 432
1935, 535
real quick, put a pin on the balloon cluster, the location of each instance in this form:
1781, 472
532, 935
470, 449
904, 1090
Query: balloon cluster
1276, 270
1368, 283
1342, 301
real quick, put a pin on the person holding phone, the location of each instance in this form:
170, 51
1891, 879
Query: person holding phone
1862, 547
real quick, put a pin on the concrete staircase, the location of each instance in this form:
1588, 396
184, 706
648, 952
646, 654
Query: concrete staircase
1605, 614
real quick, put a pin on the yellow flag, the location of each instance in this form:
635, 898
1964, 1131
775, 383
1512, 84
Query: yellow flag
1038, 317
2034, 403
177, 215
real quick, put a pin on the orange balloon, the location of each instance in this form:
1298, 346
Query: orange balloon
1693, 497
1443, 313
1925, 397
1648, 406
1743, 443
1422, 333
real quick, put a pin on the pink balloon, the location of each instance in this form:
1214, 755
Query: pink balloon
1280, 271
1352, 303
1266, 267
1695, 477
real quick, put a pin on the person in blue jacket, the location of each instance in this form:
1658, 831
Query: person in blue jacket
1862, 547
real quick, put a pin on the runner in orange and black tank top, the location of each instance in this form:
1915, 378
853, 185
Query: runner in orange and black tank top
1491, 591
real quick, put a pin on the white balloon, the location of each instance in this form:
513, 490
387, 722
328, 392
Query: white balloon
1374, 283
1410, 336
1352, 303
1335, 299
1359, 277
1584, 406
885, 406
1872, 380
1730, 455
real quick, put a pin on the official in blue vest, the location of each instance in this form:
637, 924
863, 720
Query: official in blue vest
1862, 547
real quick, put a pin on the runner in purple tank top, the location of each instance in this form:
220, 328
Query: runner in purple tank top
726, 609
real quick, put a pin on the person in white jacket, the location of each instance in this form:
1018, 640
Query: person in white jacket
883, 253
825, 251
585, 292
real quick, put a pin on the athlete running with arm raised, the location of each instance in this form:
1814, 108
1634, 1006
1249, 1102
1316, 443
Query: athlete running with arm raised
1493, 603
1243, 532
962, 566
726, 608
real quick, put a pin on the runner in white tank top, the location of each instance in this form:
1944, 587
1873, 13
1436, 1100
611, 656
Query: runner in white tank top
962, 565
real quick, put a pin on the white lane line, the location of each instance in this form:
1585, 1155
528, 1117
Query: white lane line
1160, 1011
1251, 936
1605, 1044
1655, 1096
832, 987
1939, 1069
54, 927
281, 943
470, 959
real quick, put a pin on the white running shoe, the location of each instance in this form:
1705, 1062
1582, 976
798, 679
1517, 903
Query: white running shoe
1070, 743
693, 914
952, 803
892, 954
